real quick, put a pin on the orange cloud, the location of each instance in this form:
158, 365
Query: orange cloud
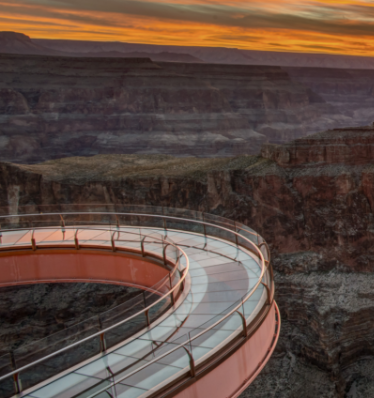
322, 26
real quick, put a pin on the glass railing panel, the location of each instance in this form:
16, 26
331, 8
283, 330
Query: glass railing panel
151, 376
69, 386
60, 362
23, 238
12, 237
137, 348
110, 365
160, 308
252, 247
122, 311
254, 302
125, 330
178, 357
249, 236
210, 339
221, 221
184, 225
42, 347
7, 385
7, 388
49, 236
86, 235
152, 246
220, 233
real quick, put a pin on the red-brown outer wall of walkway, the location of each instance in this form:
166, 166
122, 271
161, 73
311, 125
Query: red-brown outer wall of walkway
57, 266
236, 373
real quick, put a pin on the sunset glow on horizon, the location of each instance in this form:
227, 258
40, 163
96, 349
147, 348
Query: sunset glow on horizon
311, 26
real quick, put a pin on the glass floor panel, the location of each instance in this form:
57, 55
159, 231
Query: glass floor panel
113, 363
118, 391
151, 376
65, 387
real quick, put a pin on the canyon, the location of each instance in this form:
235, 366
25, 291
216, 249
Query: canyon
51, 107
312, 200
59, 103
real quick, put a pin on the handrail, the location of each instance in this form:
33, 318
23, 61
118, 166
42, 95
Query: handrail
103, 331
257, 251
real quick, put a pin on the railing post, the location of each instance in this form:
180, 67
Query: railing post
62, 221
102, 342
268, 292
165, 229
17, 383
33, 244
204, 227
147, 317
171, 293
192, 362
244, 323
76, 242
16, 378
164, 253
267, 250
142, 246
146, 312
113, 244
62, 227
237, 245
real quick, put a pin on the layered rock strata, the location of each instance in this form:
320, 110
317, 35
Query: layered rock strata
273, 105
51, 107
348, 90
317, 215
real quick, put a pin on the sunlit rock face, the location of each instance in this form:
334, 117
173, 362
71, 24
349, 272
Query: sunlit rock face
317, 217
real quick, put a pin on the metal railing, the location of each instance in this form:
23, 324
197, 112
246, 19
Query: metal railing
205, 224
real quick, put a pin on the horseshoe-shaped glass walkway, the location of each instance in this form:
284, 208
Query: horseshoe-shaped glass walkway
226, 292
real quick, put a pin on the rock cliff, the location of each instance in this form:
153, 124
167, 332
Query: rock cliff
348, 90
317, 215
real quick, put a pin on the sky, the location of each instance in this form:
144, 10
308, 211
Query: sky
312, 26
